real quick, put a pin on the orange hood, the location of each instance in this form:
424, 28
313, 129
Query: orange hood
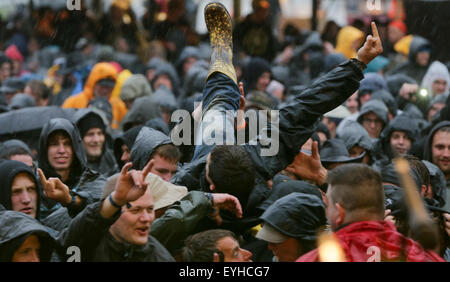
99, 71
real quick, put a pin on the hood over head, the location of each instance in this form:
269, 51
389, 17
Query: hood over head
128, 138
427, 155
144, 109
387, 99
404, 123
195, 78
79, 156
253, 70
418, 44
164, 98
353, 134
146, 143
377, 107
437, 70
99, 71
134, 87
85, 119
395, 82
297, 215
15, 228
188, 52
169, 70
158, 124
371, 83
8, 171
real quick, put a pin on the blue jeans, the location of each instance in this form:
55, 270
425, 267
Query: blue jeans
220, 102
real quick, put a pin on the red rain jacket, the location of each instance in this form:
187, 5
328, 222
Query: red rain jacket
376, 241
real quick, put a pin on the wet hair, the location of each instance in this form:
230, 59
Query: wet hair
201, 247
168, 151
419, 167
231, 171
39, 89
357, 188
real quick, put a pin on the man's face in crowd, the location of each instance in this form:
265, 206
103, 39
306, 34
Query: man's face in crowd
373, 124
103, 91
439, 86
164, 168
331, 125
60, 152
232, 251
356, 151
26, 159
24, 194
394, 34
188, 63
28, 251
125, 154
5, 71
133, 225
400, 142
287, 251
436, 107
423, 58
440, 149
162, 79
365, 97
263, 81
93, 143
352, 103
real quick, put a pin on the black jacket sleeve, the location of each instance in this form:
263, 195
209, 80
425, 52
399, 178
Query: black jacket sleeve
86, 230
297, 120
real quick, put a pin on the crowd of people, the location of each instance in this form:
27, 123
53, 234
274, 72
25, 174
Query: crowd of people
88, 160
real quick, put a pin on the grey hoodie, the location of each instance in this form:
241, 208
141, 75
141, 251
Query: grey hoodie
134, 87
377, 107
144, 109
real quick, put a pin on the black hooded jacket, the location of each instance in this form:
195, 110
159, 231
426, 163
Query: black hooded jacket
411, 68
90, 232
15, 228
382, 151
143, 109
127, 138
146, 143
8, 171
106, 164
82, 181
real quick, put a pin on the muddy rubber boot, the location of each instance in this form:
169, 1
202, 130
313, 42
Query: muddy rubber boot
218, 22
